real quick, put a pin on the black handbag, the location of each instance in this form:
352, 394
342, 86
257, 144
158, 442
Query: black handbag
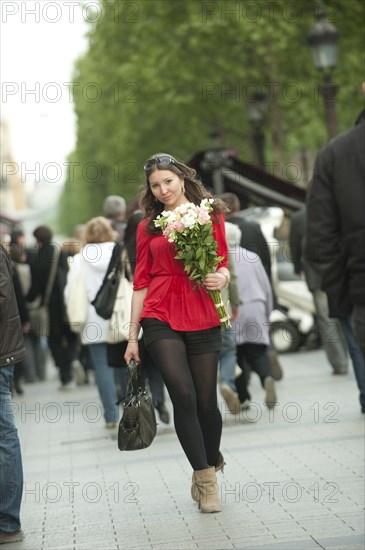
137, 427
106, 295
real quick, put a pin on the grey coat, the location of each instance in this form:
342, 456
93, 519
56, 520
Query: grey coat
254, 289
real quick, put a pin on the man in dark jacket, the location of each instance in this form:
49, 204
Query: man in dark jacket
335, 239
12, 350
252, 238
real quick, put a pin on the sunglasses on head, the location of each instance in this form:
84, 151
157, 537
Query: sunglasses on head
163, 161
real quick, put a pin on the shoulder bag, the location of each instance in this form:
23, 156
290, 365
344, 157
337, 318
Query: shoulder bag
137, 427
118, 328
76, 299
106, 295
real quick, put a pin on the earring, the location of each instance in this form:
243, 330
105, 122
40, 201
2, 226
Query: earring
183, 187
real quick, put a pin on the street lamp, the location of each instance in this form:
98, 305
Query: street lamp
323, 38
256, 114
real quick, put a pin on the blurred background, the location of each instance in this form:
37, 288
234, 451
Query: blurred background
247, 92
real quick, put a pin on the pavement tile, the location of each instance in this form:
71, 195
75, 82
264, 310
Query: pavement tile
286, 484
298, 544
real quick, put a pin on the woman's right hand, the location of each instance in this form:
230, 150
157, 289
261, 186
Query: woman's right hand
132, 352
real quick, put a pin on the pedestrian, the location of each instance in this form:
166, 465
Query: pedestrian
61, 340
253, 239
335, 238
252, 324
330, 331
34, 365
181, 327
130, 238
12, 351
80, 365
114, 209
91, 265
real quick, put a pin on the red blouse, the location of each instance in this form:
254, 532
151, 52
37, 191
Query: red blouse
170, 296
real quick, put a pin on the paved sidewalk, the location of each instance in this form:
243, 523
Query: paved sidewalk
294, 478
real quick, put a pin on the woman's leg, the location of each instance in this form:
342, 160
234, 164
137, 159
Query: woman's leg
204, 368
153, 375
170, 357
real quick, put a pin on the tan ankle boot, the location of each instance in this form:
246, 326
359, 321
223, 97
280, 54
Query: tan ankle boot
206, 484
194, 490
219, 467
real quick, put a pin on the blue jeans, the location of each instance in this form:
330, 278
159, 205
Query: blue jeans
228, 358
356, 356
11, 468
104, 377
358, 323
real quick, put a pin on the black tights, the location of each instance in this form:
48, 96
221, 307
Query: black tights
191, 381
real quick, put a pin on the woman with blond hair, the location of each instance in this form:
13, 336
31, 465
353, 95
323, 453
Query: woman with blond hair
91, 264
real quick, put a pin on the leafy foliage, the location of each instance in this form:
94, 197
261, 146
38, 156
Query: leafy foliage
162, 75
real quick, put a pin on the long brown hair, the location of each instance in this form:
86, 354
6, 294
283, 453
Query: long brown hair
195, 191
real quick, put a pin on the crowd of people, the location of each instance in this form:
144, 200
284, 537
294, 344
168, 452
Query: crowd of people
76, 354
183, 348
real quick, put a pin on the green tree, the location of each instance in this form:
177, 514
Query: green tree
160, 76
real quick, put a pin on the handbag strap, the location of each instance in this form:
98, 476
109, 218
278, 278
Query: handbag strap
120, 261
115, 261
51, 277
135, 383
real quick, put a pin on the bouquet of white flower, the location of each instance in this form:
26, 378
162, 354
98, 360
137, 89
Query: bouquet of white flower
190, 228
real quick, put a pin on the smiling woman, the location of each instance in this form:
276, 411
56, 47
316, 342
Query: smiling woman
181, 326
170, 183
168, 188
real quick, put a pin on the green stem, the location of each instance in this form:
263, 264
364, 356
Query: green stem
221, 310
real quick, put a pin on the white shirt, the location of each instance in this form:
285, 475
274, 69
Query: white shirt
91, 264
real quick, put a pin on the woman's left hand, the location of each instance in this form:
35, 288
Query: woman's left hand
215, 281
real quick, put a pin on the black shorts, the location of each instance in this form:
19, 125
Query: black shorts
196, 341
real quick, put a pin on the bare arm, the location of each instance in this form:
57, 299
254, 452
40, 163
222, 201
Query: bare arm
134, 326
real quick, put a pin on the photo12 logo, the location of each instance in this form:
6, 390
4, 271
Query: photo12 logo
53, 92
274, 491
229, 11
53, 12
90, 492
